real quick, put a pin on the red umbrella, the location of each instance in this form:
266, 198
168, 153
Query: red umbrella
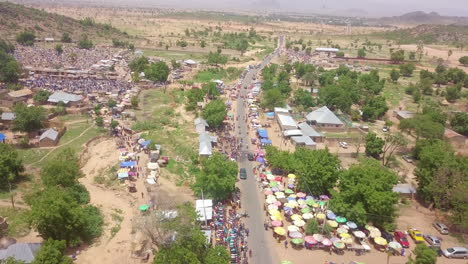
262, 175
278, 178
310, 240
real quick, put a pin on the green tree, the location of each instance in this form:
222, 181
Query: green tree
28, 119
272, 98
217, 255
26, 38
412, 55
59, 48
394, 75
42, 96
139, 64
424, 255
393, 141
303, 98
62, 171
214, 113
423, 126
11, 167
99, 121
114, 124
85, 43
312, 227
365, 194
111, 103
6, 46
464, 60
157, 72
217, 178
203, 44
374, 145
134, 101
397, 56
66, 38
340, 54
216, 58
361, 53
175, 64
211, 90
459, 123
175, 255
407, 69
52, 252
374, 108
452, 93
10, 69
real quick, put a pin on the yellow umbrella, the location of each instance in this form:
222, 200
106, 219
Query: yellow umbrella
294, 203
320, 216
276, 218
290, 205
347, 240
299, 223
273, 211
380, 241
280, 231
296, 217
315, 205
293, 196
332, 223
343, 235
292, 176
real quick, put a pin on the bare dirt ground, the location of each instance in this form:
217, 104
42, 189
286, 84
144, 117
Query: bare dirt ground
441, 52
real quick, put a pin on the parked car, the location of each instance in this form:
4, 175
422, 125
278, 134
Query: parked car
400, 237
456, 252
243, 174
250, 156
387, 236
432, 240
407, 158
416, 235
343, 144
385, 129
443, 229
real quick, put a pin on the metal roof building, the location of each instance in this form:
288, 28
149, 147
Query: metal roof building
64, 97
21, 251
308, 130
50, 134
324, 117
286, 122
8, 116
333, 50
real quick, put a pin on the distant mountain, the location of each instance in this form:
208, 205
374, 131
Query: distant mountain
428, 34
420, 17
15, 18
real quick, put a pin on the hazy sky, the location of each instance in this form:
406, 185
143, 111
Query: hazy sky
372, 8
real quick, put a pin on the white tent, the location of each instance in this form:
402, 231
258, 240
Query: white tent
204, 209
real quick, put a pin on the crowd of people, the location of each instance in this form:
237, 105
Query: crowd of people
37, 56
84, 85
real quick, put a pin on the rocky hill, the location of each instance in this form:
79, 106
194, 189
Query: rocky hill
429, 34
15, 18
419, 17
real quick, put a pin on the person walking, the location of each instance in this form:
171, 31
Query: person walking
285, 244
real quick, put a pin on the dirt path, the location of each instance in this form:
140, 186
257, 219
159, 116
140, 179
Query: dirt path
59, 146
111, 247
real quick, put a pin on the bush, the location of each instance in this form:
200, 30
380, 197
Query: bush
85, 43
26, 38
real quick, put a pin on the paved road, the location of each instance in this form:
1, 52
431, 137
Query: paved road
251, 201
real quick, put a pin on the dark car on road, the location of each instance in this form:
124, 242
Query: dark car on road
243, 174
387, 236
250, 157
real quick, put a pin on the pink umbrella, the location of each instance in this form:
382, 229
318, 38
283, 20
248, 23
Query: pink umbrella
301, 194
277, 203
326, 242
276, 223
268, 192
310, 240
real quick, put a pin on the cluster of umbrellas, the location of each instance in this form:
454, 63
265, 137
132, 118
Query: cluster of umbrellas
298, 207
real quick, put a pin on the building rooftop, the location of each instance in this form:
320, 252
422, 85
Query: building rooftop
449, 133
286, 120
64, 97
8, 116
20, 93
405, 114
323, 115
50, 134
21, 251
308, 130
304, 140
404, 188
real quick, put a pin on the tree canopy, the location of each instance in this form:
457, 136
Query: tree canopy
424, 255
85, 43
217, 178
26, 38
10, 69
42, 96
214, 113
459, 123
365, 194
374, 145
11, 165
157, 72
52, 252
139, 64
217, 58
28, 119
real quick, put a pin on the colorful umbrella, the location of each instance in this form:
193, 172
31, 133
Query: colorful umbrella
343, 235
305, 210
307, 216
273, 184
326, 242
270, 176
359, 234
294, 203
338, 244
310, 240
293, 228
297, 241
318, 237
310, 202
289, 205
143, 207
301, 194
380, 241
291, 186
289, 191
280, 231
279, 195
332, 223
274, 212
275, 189
316, 205
276, 223
324, 197
321, 203
295, 217
272, 207
270, 196
320, 216
276, 218
291, 199
351, 225
293, 196
299, 223
340, 219
374, 232
291, 176
270, 200
295, 234
394, 245
301, 202
341, 230
277, 203
347, 240
309, 197
331, 215
268, 192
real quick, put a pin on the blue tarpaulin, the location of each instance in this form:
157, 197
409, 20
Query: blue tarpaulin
260, 159
270, 114
2, 136
125, 164
265, 141
262, 133
146, 143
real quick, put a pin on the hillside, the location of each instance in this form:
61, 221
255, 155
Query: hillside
15, 18
428, 34
419, 17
